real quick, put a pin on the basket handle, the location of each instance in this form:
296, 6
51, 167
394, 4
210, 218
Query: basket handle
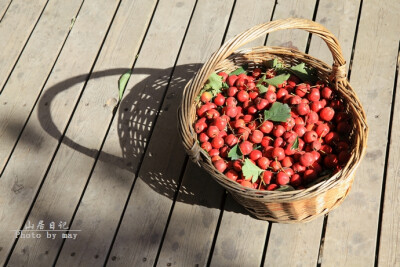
339, 64
338, 68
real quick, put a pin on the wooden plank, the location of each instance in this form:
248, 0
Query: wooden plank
31, 72
125, 143
3, 8
15, 29
241, 238
71, 161
287, 242
28, 164
351, 233
131, 247
389, 250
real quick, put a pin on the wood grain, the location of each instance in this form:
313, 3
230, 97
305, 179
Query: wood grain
351, 233
28, 164
241, 238
389, 250
3, 8
120, 158
31, 72
287, 243
163, 163
15, 29
87, 129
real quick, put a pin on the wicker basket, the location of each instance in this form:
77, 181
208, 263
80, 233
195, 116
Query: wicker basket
293, 206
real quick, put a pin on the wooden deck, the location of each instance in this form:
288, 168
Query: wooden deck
116, 174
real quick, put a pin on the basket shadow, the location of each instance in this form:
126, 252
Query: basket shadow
136, 116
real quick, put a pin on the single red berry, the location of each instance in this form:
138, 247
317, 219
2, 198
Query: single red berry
244, 133
287, 162
266, 127
272, 187
326, 149
253, 94
344, 157
306, 159
217, 142
331, 138
295, 100
322, 130
316, 106
275, 165
289, 123
303, 109
263, 162
231, 112
231, 140
231, 80
282, 178
256, 72
206, 97
278, 130
213, 152
278, 153
326, 93
316, 145
316, 155
342, 146
310, 136
215, 158
237, 165
242, 96
260, 103
297, 167
281, 93
256, 137
270, 96
301, 90
246, 183
327, 113
255, 155
212, 131
232, 175
219, 100
267, 176
206, 146
246, 147
314, 95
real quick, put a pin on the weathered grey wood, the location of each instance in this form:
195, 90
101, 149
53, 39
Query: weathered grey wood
241, 238
162, 165
287, 242
351, 233
27, 166
3, 8
87, 128
15, 29
120, 158
31, 71
389, 250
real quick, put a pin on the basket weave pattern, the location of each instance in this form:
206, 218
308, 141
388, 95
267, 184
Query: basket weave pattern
294, 206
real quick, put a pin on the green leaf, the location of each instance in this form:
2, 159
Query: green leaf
214, 82
261, 88
251, 171
235, 153
278, 112
238, 71
285, 188
123, 80
225, 85
274, 63
295, 144
279, 79
304, 73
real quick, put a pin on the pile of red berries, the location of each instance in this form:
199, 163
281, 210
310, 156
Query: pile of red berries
273, 128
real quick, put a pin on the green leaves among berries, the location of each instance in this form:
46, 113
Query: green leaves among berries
238, 71
295, 144
277, 80
235, 153
304, 73
251, 171
275, 64
214, 84
277, 112
122, 82
261, 88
